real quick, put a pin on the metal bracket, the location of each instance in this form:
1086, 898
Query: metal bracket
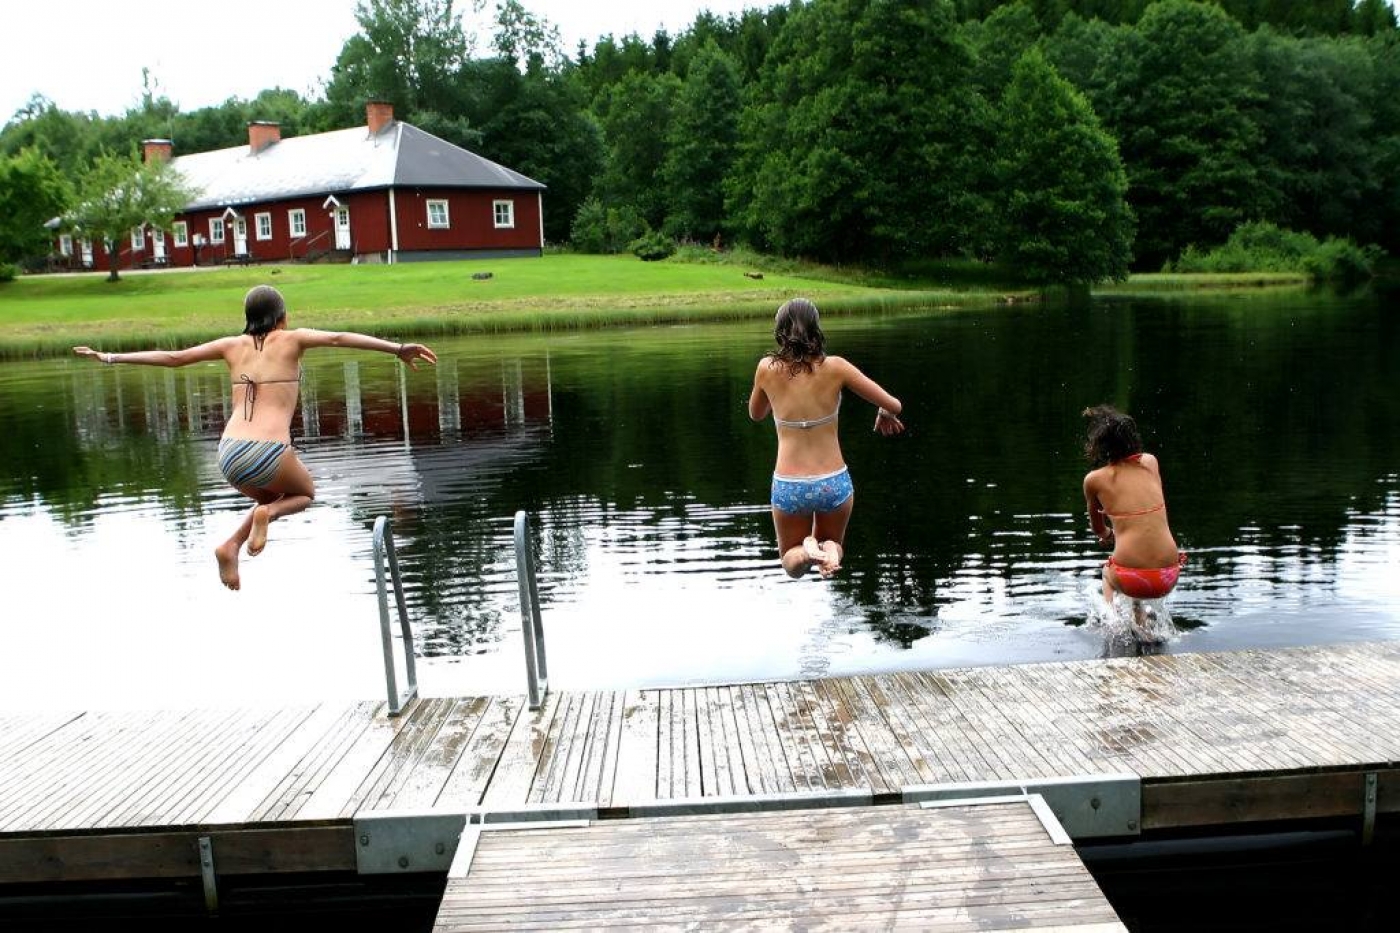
752, 803
1368, 809
538, 813
206, 871
1087, 806
400, 842
1037, 803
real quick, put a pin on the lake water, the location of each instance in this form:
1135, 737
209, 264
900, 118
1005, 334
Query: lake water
1276, 419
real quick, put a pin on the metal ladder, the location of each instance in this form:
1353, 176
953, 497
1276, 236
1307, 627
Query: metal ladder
531, 625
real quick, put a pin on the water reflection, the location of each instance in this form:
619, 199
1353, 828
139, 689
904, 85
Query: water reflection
649, 487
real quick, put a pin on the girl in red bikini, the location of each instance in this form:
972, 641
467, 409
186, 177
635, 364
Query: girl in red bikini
1127, 508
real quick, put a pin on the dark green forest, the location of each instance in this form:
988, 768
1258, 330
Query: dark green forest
1072, 140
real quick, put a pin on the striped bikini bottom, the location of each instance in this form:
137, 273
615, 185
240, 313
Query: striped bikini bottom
250, 463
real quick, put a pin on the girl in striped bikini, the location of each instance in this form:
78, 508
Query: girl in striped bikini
1128, 509
256, 454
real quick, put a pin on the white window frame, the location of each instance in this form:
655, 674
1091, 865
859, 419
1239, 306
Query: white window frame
508, 222
296, 222
180, 233
65, 244
258, 221
138, 237
446, 222
216, 230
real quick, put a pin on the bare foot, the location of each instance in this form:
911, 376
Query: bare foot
831, 558
257, 538
814, 551
796, 562
1142, 623
227, 556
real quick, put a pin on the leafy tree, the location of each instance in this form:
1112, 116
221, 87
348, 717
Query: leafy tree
998, 42
66, 139
1373, 17
1384, 108
612, 61
636, 116
409, 52
1325, 17
703, 135
1180, 98
118, 193
32, 192
1318, 152
1060, 192
520, 36
536, 122
857, 140
599, 229
1083, 52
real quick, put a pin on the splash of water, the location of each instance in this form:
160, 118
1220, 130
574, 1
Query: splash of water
1146, 621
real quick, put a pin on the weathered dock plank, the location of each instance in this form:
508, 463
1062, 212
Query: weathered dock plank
975, 867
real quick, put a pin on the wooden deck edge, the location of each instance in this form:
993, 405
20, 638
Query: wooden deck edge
133, 855
1179, 804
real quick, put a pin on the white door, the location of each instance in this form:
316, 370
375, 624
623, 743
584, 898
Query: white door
342, 228
240, 237
158, 244
87, 252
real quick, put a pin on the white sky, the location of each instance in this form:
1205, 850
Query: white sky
88, 54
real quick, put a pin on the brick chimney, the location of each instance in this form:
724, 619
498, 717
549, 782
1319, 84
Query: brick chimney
378, 114
156, 150
261, 134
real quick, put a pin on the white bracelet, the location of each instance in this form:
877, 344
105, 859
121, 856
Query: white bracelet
106, 358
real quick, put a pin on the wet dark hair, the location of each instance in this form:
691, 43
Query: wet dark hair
1112, 436
798, 331
263, 309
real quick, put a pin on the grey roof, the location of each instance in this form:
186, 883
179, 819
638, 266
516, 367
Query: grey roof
339, 161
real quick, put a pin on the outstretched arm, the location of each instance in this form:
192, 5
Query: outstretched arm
213, 350
888, 407
406, 352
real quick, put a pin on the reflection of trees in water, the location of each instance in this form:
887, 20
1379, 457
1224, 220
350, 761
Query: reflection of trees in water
1275, 415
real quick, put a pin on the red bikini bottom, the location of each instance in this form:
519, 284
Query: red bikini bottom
1147, 583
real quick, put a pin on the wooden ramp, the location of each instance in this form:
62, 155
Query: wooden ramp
967, 867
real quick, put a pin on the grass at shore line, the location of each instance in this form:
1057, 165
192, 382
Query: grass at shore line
46, 315
1147, 282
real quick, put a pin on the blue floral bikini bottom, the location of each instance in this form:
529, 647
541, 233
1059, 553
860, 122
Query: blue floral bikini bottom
806, 495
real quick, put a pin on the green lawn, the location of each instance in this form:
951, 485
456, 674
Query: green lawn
47, 314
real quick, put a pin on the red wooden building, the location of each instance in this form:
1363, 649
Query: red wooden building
384, 192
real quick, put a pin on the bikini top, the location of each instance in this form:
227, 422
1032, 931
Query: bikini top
814, 423
1134, 458
250, 390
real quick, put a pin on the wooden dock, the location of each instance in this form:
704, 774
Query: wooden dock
1210, 739
990, 866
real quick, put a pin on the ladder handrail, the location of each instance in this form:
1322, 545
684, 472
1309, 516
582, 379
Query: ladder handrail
384, 548
531, 626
